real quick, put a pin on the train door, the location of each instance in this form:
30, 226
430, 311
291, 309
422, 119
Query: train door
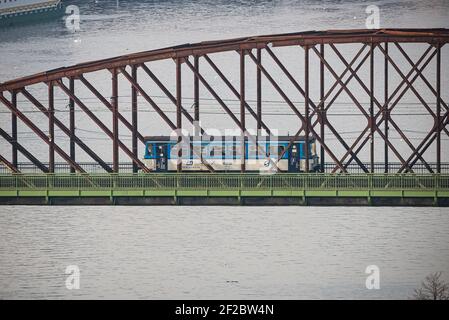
161, 157
293, 158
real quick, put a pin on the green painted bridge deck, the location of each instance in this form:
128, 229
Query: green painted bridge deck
202, 189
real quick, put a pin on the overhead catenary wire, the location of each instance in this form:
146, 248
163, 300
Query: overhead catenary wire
237, 101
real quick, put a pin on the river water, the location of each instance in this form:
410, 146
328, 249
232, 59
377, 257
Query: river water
209, 252
219, 252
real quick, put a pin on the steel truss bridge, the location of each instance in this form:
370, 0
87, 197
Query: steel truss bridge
364, 62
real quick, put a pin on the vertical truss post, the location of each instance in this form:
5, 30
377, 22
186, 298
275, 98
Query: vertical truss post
438, 118
14, 129
196, 94
114, 103
259, 91
178, 110
242, 110
51, 127
134, 115
386, 111
72, 122
306, 106
371, 108
322, 109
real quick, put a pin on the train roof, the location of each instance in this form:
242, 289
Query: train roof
174, 139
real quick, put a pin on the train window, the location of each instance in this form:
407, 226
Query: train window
281, 151
150, 150
238, 151
182, 150
217, 151
274, 151
229, 150
302, 152
263, 150
173, 151
204, 150
310, 150
197, 151
252, 151
277, 150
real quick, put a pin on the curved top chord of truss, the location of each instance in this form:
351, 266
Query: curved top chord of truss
248, 43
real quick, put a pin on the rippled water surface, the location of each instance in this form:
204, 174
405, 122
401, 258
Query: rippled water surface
219, 252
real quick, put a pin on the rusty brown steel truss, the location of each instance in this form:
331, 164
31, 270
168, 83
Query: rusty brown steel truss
313, 119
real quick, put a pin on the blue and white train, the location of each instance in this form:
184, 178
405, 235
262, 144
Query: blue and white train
224, 154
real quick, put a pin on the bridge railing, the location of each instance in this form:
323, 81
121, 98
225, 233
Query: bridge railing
224, 182
90, 167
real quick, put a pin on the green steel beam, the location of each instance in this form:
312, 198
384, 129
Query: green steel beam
225, 185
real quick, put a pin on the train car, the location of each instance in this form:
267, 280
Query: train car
224, 154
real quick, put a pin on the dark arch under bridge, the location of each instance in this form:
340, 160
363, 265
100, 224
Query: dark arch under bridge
312, 116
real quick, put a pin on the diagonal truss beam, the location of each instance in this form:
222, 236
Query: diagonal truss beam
162, 114
167, 92
41, 135
409, 87
108, 105
315, 107
102, 126
229, 112
235, 92
8, 164
293, 107
24, 151
378, 104
431, 138
439, 98
66, 130
392, 106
